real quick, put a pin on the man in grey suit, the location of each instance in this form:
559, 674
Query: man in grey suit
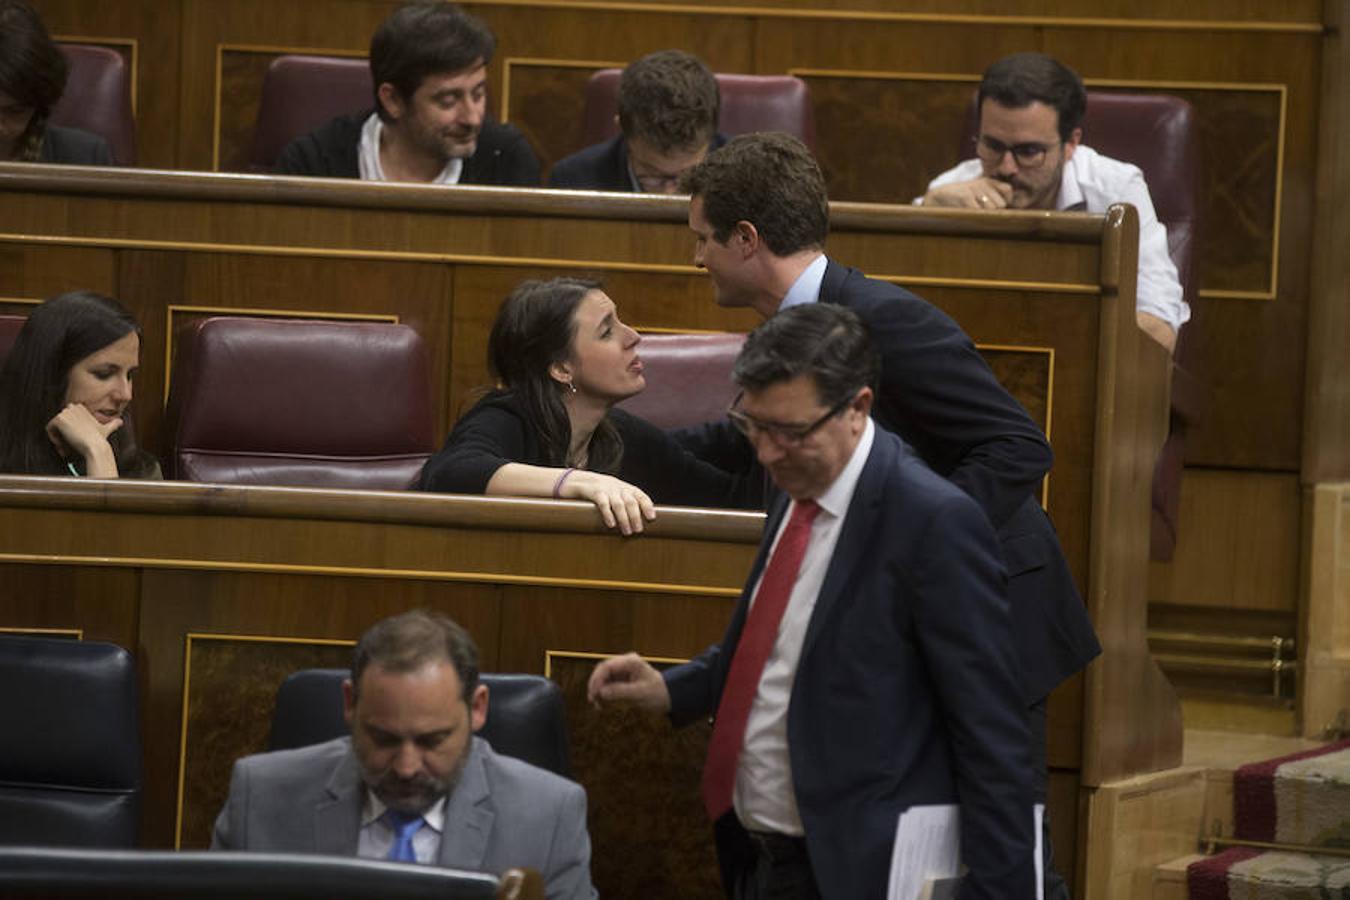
413, 783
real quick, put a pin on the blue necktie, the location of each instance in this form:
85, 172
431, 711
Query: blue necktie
404, 826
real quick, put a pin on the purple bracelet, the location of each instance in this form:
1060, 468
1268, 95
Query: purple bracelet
557, 485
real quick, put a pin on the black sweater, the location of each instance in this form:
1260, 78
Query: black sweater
496, 432
504, 157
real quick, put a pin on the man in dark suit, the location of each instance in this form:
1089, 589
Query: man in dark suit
668, 106
428, 62
760, 215
869, 665
413, 783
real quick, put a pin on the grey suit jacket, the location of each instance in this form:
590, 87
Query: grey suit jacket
503, 814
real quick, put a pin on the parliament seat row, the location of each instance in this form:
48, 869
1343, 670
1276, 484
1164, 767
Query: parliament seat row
71, 782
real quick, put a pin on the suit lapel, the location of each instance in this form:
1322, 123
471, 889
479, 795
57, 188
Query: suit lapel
855, 538
337, 819
468, 815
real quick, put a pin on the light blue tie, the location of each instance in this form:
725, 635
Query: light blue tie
404, 826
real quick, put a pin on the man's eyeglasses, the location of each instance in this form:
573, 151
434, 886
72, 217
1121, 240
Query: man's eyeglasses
782, 435
1027, 156
659, 184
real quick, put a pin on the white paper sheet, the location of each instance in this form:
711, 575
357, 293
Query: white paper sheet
927, 852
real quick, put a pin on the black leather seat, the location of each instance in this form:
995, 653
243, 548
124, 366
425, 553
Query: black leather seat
70, 760
29, 872
525, 715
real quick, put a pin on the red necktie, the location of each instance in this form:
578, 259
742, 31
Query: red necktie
752, 651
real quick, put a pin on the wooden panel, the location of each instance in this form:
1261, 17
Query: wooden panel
35, 272
1324, 626
1326, 436
98, 603
1135, 825
543, 98
231, 684
642, 789
1234, 547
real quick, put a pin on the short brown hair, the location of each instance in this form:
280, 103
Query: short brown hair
670, 100
423, 39
407, 642
769, 180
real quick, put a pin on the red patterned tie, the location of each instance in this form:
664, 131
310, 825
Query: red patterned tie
757, 640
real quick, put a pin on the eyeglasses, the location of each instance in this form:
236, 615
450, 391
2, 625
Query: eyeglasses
782, 435
1027, 156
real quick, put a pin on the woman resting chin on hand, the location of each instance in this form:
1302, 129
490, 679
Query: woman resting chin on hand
65, 391
562, 359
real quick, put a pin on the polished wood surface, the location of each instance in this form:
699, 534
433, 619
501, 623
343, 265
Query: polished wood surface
1326, 434
1324, 627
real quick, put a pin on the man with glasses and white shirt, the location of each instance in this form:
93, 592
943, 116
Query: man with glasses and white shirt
1029, 155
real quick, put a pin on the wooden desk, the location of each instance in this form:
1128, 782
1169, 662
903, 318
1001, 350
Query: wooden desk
1049, 297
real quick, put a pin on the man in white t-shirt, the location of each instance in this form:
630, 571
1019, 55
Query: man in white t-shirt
1029, 155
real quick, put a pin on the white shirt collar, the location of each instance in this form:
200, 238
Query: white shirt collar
368, 156
373, 808
1070, 192
837, 497
806, 289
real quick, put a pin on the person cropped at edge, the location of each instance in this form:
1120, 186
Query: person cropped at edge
869, 664
1029, 155
428, 62
562, 359
33, 75
760, 216
668, 107
65, 392
413, 783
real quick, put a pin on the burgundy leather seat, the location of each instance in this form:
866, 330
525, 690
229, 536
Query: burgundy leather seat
749, 103
293, 402
688, 378
299, 94
9, 332
98, 99
1159, 134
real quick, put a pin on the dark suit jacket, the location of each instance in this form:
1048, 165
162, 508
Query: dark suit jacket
602, 166
503, 813
75, 147
906, 692
503, 158
938, 394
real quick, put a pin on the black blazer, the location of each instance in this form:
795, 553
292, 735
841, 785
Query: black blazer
939, 395
72, 146
497, 431
602, 166
907, 689
503, 157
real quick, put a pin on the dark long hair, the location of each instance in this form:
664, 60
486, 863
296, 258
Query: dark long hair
58, 334
535, 329
32, 71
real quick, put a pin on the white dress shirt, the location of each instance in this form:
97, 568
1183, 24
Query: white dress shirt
368, 156
377, 838
764, 797
806, 289
1093, 182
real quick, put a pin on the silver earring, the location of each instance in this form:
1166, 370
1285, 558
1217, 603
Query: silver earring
571, 387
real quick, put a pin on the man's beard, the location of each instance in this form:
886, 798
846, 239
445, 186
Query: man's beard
414, 795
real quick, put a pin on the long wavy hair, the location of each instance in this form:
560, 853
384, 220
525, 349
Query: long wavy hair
58, 334
535, 329
33, 71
